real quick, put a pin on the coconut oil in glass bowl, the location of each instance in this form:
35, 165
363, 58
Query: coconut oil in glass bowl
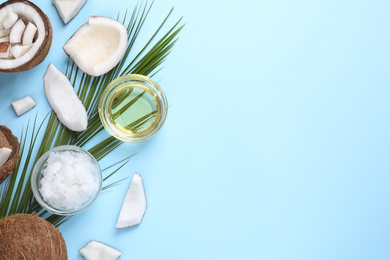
133, 108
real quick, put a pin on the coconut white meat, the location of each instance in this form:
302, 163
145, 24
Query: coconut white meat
15, 36
134, 204
4, 155
29, 26
4, 32
64, 100
29, 34
19, 50
4, 49
23, 105
68, 9
97, 46
4, 39
95, 250
9, 20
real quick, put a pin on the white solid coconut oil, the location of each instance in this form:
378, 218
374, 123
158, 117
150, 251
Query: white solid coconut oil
69, 180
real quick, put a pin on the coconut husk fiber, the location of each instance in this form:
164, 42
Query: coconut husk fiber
7, 139
27, 236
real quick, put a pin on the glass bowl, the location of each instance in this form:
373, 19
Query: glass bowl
133, 108
37, 175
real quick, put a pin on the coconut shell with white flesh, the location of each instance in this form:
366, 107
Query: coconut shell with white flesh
134, 205
97, 46
17, 14
8, 140
68, 9
95, 250
64, 100
27, 236
4, 155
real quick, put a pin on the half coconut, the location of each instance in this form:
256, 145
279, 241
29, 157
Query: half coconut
97, 46
25, 35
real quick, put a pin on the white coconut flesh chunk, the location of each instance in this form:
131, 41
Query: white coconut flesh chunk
95, 250
29, 14
29, 34
23, 105
19, 50
64, 100
15, 36
4, 39
9, 20
97, 46
4, 155
134, 205
68, 9
4, 32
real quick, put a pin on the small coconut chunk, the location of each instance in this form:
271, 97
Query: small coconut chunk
4, 155
95, 250
4, 32
97, 46
19, 50
29, 33
64, 100
4, 39
134, 204
68, 9
9, 20
4, 49
23, 105
15, 36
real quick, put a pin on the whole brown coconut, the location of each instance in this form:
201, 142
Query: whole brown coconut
7, 139
26, 236
46, 34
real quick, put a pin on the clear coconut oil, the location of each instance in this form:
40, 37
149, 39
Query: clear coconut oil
133, 108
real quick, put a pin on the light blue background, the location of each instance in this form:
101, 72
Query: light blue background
276, 143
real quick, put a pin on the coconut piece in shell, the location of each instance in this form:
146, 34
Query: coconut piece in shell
4, 49
68, 9
27, 236
4, 32
4, 39
9, 20
97, 46
15, 35
29, 34
8, 140
4, 155
27, 12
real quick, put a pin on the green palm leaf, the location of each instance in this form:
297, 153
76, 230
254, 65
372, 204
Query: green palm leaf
15, 193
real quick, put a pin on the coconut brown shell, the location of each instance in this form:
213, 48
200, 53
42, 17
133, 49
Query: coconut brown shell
43, 50
26, 236
7, 139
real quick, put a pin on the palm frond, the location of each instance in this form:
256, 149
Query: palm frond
15, 193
